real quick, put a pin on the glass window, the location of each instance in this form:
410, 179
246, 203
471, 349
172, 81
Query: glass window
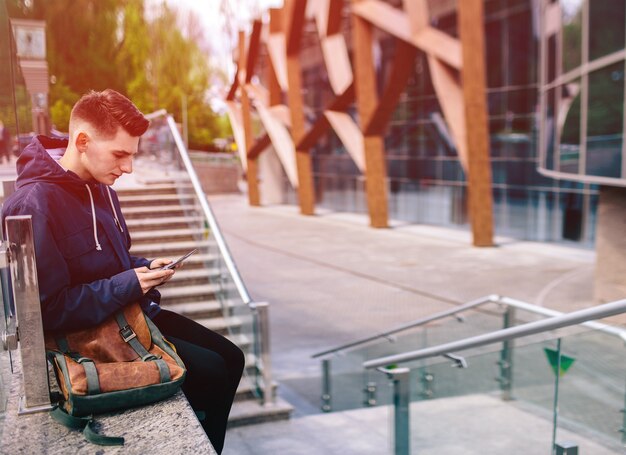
569, 155
606, 27
572, 13
605, 121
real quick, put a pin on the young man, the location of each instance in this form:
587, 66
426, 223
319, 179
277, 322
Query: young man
85, 270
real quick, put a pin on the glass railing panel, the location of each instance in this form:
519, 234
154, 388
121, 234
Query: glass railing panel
468, 404
159, 159
351, 388
592, 387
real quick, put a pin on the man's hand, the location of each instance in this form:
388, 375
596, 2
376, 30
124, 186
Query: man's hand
151, 278
160, 262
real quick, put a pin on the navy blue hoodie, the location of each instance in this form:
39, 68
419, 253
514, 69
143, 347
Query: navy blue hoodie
82, 244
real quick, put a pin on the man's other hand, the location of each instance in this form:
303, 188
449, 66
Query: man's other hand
151, 278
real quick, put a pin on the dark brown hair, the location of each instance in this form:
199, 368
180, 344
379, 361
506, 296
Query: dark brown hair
108, 110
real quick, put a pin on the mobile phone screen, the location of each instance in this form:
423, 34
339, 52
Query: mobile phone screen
179, 260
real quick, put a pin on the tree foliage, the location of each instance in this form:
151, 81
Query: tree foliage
98, 44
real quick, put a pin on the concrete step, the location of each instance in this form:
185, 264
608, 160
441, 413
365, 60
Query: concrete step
166, 235
246, 389
156, 211
226, 325
155, 188
251, 411
174, 249
163, 223
194, 276
199, 309
185, 294
143, 200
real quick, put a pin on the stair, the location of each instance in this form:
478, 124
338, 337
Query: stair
162, 223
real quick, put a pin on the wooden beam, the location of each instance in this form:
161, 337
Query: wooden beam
471, 31
234, 86
320, 126
236, 123
253, 49
337, 61
296, 10
350, 136
418, 13
450, 96
277, 53
259, 146
397, 23
282, 142
335, 12
254, 197
367, 100
401, 69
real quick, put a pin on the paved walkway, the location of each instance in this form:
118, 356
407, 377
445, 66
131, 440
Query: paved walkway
330, 279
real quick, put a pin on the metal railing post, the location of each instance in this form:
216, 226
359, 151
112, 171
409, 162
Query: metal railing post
506, 358
22, 263
401, 401
263, 333
326, 395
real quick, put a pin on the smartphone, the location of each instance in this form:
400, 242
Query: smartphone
179, 260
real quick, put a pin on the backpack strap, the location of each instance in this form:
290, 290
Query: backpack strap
85, 424
93, 383
128, 335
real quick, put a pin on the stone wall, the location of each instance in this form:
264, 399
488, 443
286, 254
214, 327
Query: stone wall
218, 173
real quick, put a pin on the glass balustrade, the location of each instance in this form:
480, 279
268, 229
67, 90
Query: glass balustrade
162, 157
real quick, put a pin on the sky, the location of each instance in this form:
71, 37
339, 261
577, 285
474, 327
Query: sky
208, 13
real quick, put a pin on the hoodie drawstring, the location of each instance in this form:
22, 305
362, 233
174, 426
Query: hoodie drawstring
117, 221
93, 216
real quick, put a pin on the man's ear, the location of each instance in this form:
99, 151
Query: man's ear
82, 140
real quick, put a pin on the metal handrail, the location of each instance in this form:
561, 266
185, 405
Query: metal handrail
208, 213
531, 328
260, 309
493, 298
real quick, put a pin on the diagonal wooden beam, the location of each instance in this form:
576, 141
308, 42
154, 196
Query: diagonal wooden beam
259, 146
278, 58
236, 123
296, 10
401, 69
253, 49
333, 24
397, 23
234, 86
337, 61
349, 134
321, 125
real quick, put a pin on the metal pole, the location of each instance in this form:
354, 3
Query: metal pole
555, 407
401, 400
263, 334
326, 396
506, 358
19, 233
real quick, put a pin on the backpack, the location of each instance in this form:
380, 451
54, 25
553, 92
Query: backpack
121, 363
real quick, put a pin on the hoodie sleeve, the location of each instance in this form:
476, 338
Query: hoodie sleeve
66, 306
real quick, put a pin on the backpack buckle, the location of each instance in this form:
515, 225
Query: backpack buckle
127, 333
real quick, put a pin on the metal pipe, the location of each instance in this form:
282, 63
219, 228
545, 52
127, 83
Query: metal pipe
401, 411
208, 213
326, 394
616, 331
416, 323
531, 328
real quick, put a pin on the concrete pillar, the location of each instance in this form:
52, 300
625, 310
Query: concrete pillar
610, 274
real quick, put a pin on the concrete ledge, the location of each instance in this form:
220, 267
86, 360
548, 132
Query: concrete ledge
166, 427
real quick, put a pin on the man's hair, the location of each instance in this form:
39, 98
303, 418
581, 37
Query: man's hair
108, 110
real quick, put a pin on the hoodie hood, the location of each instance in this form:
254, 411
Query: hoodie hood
36, 165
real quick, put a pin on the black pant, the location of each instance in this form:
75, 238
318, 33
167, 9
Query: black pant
214, 368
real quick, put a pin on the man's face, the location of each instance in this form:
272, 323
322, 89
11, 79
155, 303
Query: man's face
106, 159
